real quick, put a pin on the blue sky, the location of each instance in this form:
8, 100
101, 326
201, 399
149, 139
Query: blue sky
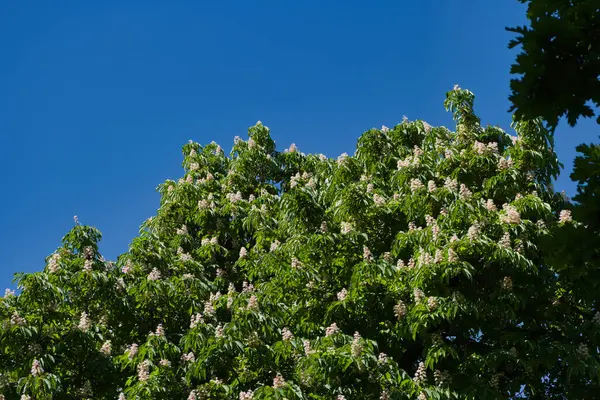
97, 98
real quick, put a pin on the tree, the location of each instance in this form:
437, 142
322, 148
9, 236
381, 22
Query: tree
559, 67
421, 267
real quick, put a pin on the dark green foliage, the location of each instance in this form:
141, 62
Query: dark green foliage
559, 66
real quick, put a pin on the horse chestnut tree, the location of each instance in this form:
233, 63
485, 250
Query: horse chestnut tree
421, 267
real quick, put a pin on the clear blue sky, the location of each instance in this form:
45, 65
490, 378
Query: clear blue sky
97, 97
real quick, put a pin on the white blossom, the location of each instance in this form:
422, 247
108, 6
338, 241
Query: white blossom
88, 265
188, 357
132, 350
296, 263
106, 348
332, 329
464, 192
432, 303
154, 275
451, 184
387, 257
474, 231
504, 163
421, 374
404, 163
143, 371
278, 382
400, 310
378, 199
286, 334
203, 204
307, 349
367, 254
452, 256
324, 226
342, 158
419, 295
479, 148
438, 258
253, 303
346, 227
195, 320
184, 257
431, 186
183, 230
400, 264
505, 240
248, 395
247, 287
127, 267
36, 368
441, 378
415, 185
429, 220
424, 258
435, 231
219, 331
507, 283
53, 263
511, 215
209, 309
84, 322
565, 217
356, 347
243, 252
342, 294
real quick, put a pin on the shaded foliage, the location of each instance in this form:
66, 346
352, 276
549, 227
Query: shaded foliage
559, 66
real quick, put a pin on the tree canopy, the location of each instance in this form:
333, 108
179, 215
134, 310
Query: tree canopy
559, 66
431, 264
